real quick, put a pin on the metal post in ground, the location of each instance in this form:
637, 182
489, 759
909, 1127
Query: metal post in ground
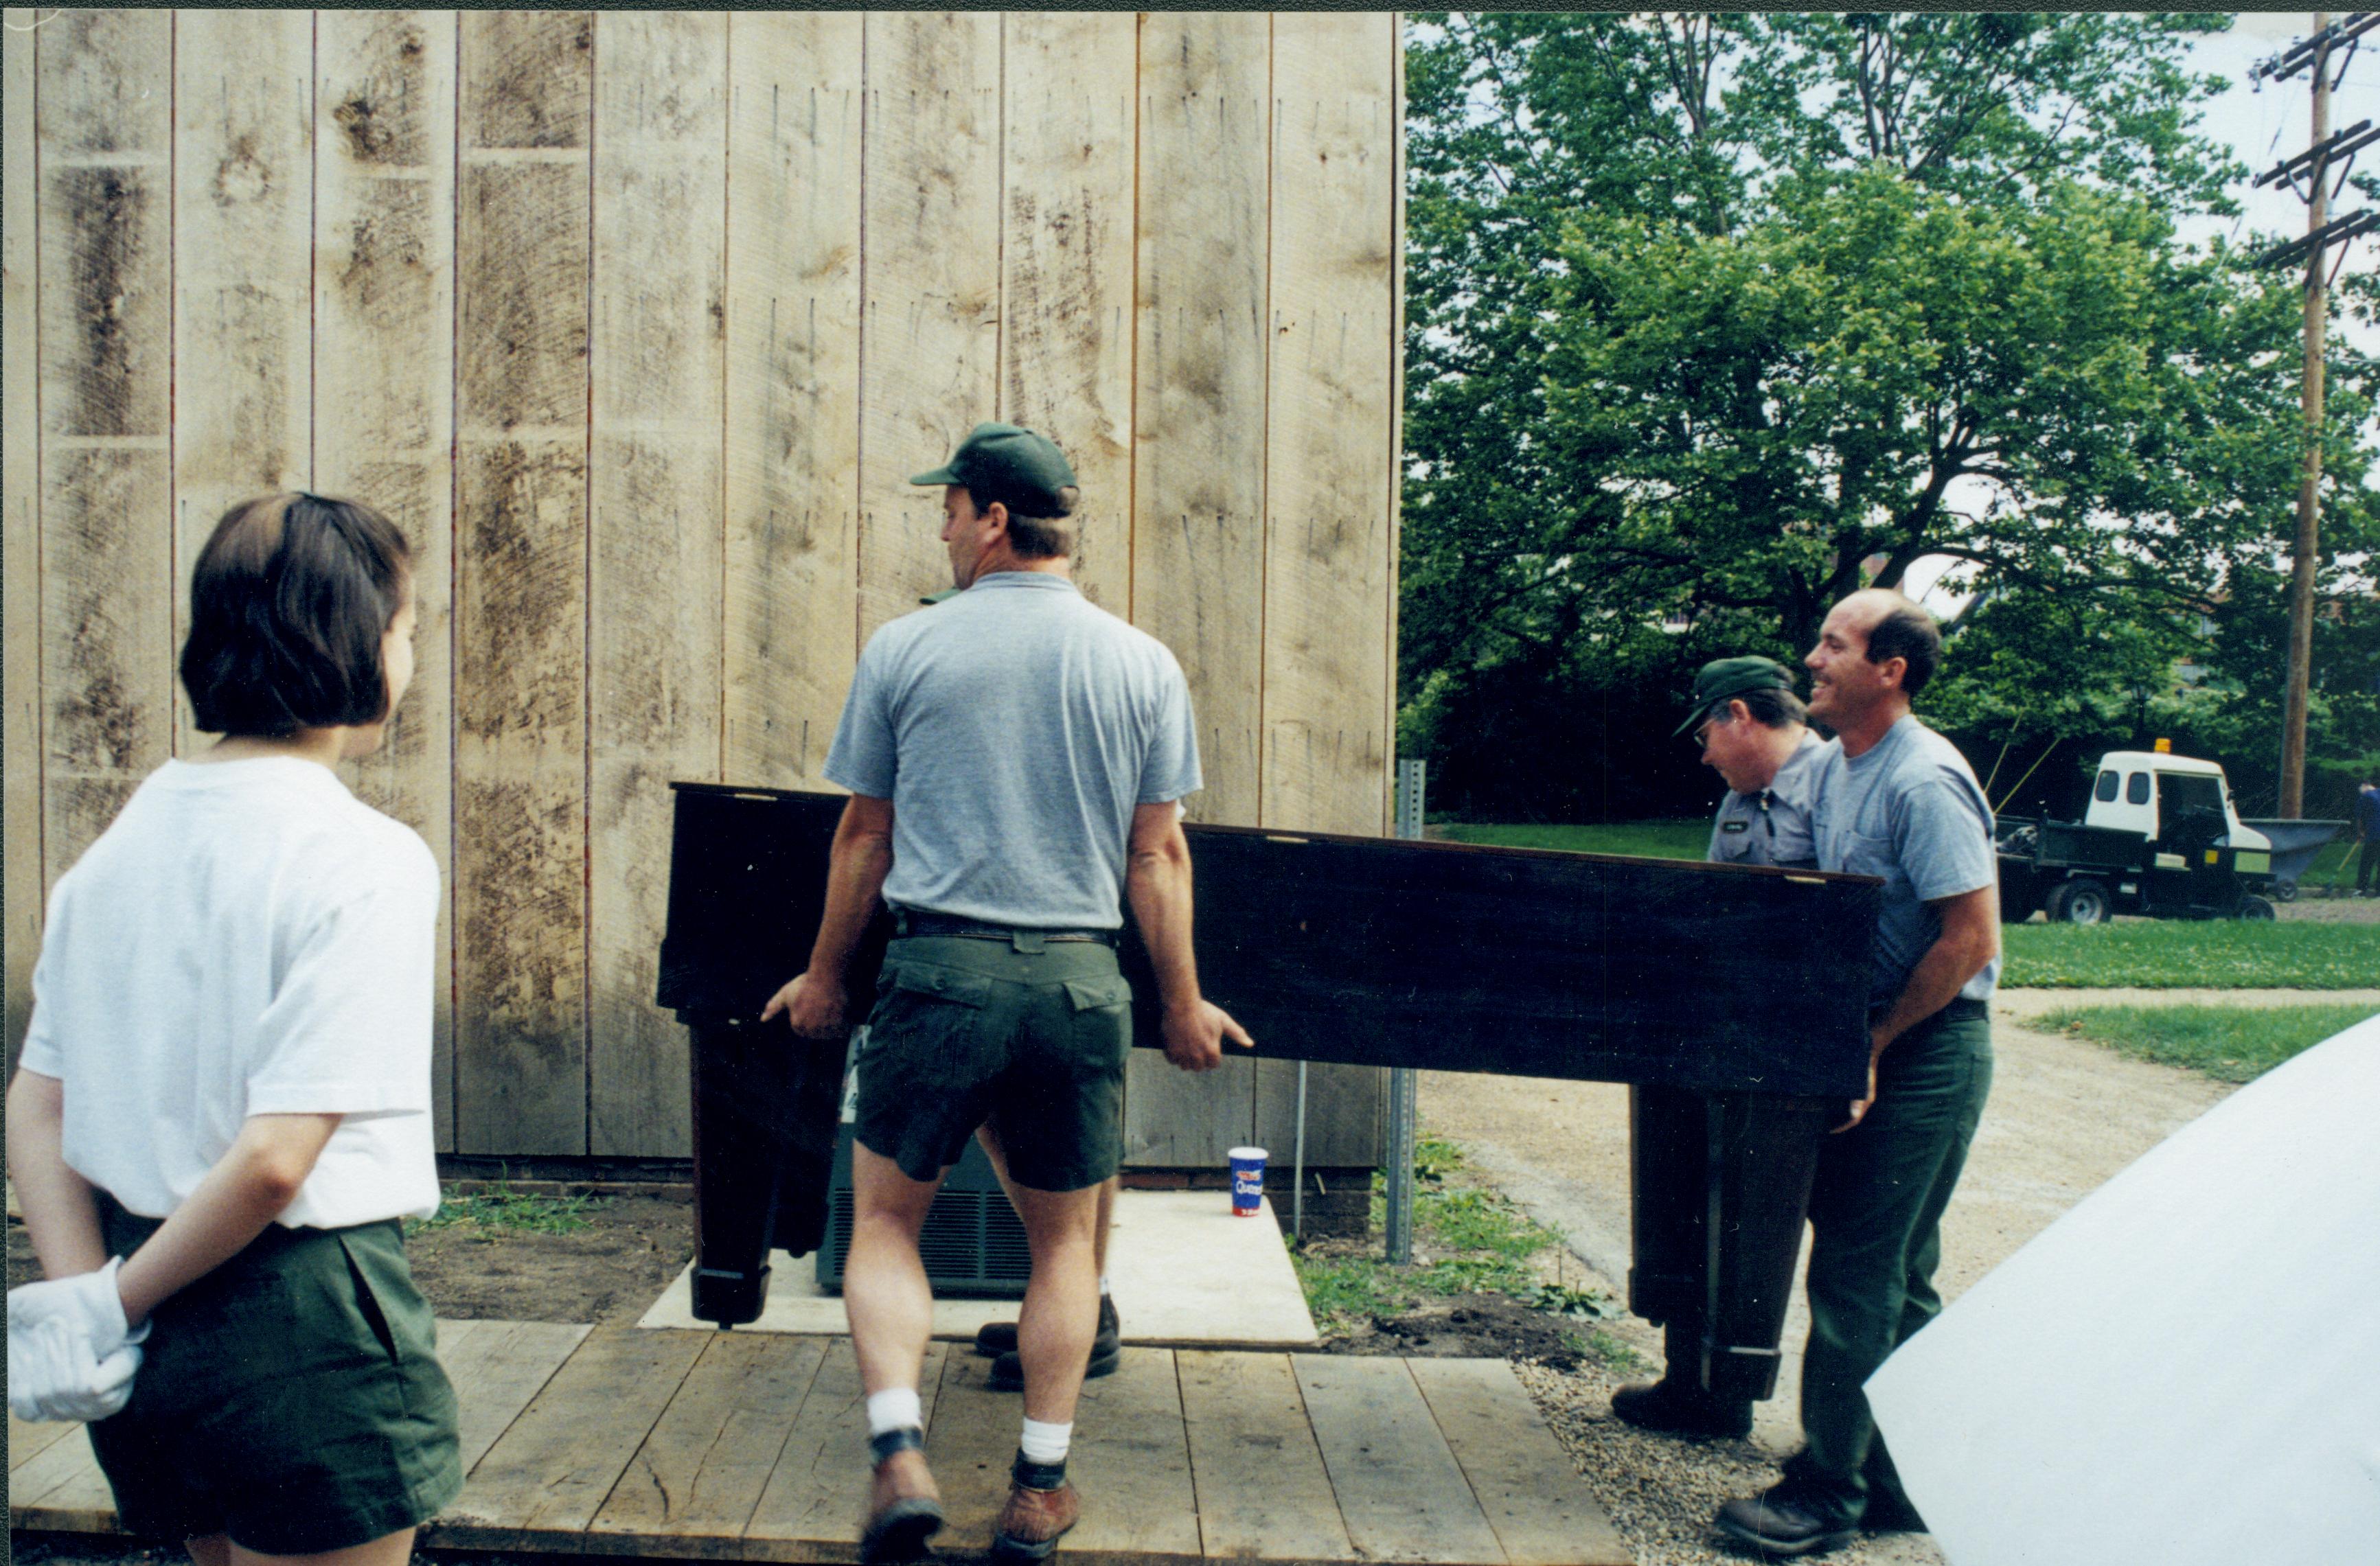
1411, 781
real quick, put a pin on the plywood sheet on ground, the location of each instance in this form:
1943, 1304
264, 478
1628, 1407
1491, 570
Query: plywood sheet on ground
1185, 1272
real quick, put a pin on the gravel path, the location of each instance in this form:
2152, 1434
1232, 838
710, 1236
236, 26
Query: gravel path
2064, 1116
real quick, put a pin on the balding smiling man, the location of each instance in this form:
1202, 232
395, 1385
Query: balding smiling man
1897, 801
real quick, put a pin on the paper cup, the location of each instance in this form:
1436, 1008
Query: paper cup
1248, 1181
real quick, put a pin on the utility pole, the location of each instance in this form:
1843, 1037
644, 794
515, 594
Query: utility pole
2323, 152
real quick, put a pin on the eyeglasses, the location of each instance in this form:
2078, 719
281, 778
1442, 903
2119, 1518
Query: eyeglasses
1702, 735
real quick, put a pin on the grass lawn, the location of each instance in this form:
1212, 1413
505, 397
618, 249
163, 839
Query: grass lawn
2176, 953
1641, 840
2229, 1043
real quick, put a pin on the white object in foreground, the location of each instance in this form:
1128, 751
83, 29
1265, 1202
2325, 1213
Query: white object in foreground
2184, 1369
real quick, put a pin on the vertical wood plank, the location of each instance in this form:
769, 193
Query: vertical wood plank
1402, 1494
384, 391
243, 261
20, 538
1134, 1467
1198, 469
1329, 685
818, 1489
522, 255
1069, 123
930, 285
791, 612
1332, 381
1262, 1489
700, 1473
1344, 1110
103, 145
653, 631
553, 1467
1542, 1511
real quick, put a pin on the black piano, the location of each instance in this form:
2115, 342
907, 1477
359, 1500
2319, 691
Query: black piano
1738, 990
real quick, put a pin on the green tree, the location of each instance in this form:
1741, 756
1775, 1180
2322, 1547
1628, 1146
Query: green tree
1714, 318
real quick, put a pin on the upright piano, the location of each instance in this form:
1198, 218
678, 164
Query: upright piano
1744, 986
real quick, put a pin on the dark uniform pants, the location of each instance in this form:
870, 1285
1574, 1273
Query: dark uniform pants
1875, 1217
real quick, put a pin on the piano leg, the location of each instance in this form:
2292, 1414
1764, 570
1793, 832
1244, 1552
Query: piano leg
1767, 1154
1721, 1188
741, 1084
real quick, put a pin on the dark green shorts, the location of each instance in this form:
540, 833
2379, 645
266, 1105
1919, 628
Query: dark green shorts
291, 1398
966, 1029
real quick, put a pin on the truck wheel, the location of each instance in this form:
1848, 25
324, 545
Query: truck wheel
2077, 903
2285, 891
2255, 908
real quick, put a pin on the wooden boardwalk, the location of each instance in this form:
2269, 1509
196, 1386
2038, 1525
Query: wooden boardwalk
743, 1446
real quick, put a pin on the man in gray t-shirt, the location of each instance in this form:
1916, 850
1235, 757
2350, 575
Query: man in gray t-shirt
1017, 757
1897, 800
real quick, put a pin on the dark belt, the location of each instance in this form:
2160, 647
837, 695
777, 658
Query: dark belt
1962, 1008
908, 922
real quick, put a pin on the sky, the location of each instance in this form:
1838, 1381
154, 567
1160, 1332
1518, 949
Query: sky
2268, 125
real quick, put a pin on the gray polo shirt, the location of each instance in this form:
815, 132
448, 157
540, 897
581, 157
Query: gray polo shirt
1772, 826
1014, 728
1909, 810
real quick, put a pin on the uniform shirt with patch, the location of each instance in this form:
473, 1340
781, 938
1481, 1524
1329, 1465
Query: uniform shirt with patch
1773, 826
1014, 728
246, 938
1909, 810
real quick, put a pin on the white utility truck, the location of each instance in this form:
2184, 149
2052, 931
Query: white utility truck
2161, 838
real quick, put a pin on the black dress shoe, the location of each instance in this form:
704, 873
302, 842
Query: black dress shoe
1106, 1352
1775, 1523
1678, 1410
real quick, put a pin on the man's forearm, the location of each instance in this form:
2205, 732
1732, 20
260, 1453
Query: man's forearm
1156, 884
855, 890
1945, 969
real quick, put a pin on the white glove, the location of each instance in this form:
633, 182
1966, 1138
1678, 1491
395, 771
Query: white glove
70, 1355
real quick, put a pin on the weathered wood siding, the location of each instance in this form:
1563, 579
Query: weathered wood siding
638, 324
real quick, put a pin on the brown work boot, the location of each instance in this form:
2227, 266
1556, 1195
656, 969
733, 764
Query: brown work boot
904, 1509
1033, 1519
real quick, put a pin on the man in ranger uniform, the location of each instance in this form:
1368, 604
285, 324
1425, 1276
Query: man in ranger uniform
1749, 724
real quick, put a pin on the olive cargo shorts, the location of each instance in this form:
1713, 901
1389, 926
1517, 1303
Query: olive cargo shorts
966, 1029
292, 1397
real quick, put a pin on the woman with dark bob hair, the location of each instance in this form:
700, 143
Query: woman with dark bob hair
221, 1114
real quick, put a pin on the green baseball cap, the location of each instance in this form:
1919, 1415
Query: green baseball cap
1020, 469
1724, 679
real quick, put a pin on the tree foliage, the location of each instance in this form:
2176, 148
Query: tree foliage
1712, 318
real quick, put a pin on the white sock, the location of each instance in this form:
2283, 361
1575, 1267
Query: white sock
1103, 1285
1045, 1443
896, 1408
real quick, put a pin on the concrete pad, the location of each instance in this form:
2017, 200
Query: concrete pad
1186, 1274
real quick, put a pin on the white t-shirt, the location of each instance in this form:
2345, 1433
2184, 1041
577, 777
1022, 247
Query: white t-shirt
246, 938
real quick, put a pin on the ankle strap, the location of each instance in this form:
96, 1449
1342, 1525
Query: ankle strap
908, 1438
1038, 1476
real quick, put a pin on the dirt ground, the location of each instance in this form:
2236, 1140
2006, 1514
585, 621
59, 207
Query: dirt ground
608, 1273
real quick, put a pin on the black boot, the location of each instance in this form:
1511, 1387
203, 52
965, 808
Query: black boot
1678, 1409
1107, 1351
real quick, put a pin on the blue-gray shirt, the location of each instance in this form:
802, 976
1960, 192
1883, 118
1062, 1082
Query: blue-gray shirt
1772, 826
1014, 728
1909, 810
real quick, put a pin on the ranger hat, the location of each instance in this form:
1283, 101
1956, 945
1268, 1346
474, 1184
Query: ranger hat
1020, 469
1724, 679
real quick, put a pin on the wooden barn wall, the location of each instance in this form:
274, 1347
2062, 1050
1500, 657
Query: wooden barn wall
636, 323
